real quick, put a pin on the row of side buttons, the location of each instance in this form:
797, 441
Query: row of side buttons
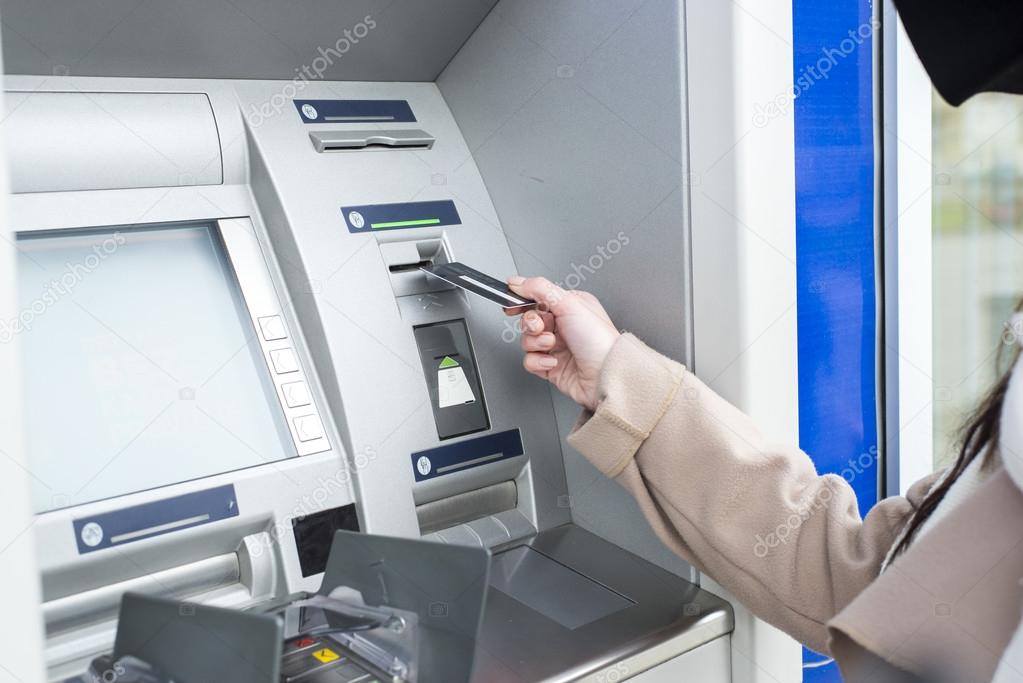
296, 394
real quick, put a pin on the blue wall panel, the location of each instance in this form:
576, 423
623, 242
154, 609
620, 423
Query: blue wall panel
835, 249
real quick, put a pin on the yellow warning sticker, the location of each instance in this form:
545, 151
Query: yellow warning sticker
326, 655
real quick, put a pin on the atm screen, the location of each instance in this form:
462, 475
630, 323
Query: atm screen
140, 363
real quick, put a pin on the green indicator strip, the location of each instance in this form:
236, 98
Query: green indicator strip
405, 224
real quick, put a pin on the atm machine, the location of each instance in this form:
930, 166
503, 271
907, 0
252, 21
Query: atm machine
229, 352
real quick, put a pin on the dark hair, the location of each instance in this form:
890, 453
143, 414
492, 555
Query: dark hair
978, 436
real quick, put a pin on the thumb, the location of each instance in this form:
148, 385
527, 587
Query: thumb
549, 295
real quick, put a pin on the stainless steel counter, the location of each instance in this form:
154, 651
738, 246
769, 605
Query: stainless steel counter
568, 605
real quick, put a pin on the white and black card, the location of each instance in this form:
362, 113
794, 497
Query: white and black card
481, 284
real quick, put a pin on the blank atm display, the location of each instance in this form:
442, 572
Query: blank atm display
141, 367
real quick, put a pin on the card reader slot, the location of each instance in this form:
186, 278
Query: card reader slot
355, 140
404, 259
412, 267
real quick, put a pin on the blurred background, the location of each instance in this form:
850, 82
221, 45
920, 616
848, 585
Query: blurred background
978, 251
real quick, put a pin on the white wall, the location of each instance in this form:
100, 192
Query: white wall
21, 629
742, 158
909, 325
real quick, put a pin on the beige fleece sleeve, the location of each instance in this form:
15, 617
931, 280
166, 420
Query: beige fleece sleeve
754, 515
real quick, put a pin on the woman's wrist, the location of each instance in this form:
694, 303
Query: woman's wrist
597, 393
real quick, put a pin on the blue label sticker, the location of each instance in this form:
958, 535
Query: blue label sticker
355, 111
377, 217
139, 522
464, 455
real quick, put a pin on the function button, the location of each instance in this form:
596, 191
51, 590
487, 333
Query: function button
308, 427
296, 394
294, 646
284, 361
326, 655
273, 328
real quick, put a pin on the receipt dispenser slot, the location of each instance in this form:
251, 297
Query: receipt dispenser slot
359, 140
452, 377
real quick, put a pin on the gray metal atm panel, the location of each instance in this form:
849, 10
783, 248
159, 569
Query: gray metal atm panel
360, 332
341, 283
386, 40
640, 616
583, 137
64, 141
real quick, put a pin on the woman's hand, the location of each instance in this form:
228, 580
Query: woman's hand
567, 339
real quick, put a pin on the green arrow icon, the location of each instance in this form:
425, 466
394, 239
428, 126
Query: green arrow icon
448, 362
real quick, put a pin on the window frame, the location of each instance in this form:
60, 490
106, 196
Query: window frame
906, 177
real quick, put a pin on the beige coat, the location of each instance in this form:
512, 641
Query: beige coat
791, 544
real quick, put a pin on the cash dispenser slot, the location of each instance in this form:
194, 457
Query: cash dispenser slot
79, 625
467, 507
355, 140
99, 603
487, 517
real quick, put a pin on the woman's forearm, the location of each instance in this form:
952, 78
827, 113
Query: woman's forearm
754, 515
